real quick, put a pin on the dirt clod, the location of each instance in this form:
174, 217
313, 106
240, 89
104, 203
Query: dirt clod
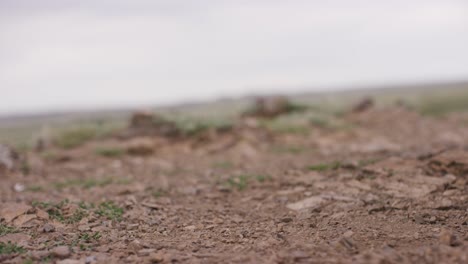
61, 251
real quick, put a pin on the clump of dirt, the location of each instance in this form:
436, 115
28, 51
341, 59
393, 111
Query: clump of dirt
390, 187
364, 105
273, 106
144, 123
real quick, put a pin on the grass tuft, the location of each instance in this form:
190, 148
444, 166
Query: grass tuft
10, 248
110, 211
109, 152
4, 229
325, 166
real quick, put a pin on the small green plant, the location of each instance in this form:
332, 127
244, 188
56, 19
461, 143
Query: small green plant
110, 211
223, 164
55, 211
25, 167
443, 104
28, 261
191, 126
35, 188
88, 237
10, 248
288, 149
319, 122
158, 193
75, 137
86, 240
109, 152
4, 229
240, 182
83, 183
76, 217
325, 166
262, 178
366, 162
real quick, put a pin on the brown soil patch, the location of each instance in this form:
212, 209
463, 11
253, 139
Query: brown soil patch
389, 188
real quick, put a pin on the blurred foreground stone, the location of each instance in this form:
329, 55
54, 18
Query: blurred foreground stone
8, 159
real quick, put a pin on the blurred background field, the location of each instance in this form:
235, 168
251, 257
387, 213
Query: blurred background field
71, 128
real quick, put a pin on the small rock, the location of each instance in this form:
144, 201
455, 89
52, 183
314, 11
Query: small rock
190, 228
448, 238
135, 245
145, 252
18, 187
348, 244
311, 202
84, 227
348, 234
47, 228
90, 259
286, 219
158, 257
61, 251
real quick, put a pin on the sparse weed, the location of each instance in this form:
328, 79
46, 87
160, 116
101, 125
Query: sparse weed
110, 211
325, 166
443, 104
55, 211
85, 241
319, 122
158, 193
191, 126
262, 178
4, 229
83, 183
239, 182
109, 152
366, 162
76, 137
35, 188
223, 164
10, 248
288, 149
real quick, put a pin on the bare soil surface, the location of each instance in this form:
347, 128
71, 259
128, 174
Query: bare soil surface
387, 186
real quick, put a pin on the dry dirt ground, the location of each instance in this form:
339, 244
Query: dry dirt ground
387, 186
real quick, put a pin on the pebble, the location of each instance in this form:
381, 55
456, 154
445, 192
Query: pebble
90, 259
61, 251
18, 187
47, 228
448, 238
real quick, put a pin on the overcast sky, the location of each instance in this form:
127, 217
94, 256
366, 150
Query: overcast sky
68, 54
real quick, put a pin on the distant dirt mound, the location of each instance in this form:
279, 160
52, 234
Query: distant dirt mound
269, 107
143, 123
363, 105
